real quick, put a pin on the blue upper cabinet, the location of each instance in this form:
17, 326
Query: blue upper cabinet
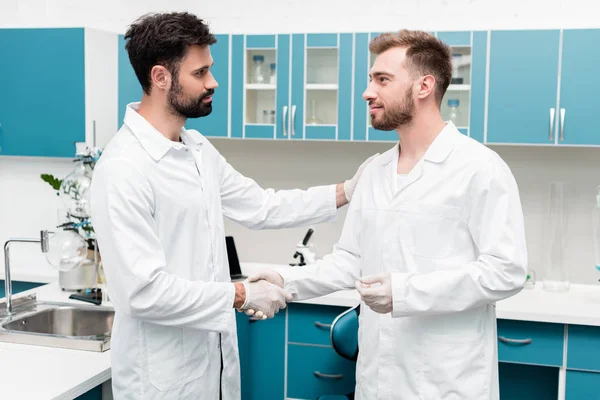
579, 88
523, 82
214, 125
66, 78
292, 86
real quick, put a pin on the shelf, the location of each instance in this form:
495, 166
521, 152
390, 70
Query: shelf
459, 88
321, 86
260, 86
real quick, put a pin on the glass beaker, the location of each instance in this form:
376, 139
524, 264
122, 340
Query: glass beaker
556, 276
313, 120
457, 78
454, 113
272, 74
257, 69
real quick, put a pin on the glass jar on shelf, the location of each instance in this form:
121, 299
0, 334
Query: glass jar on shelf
453, 111
457, 78
257, 69
272, 74
313, 120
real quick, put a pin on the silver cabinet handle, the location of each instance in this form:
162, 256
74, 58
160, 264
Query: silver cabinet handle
293, 118
552, 112
322, 325
327, 376
514, 341
562, 123
285, 109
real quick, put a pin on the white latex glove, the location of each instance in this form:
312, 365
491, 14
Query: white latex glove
270, 276
376, 292
350, 184
264, 297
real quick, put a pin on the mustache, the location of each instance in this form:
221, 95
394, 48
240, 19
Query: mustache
208, 93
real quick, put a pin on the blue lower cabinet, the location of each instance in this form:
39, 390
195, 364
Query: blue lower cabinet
267, 359
527, 342
94, 394
531, 382
315, 371
583, 348
582, 385
18, 286
310, 324
243, 335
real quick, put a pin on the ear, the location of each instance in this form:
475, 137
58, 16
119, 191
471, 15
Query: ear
160, 77
426, 86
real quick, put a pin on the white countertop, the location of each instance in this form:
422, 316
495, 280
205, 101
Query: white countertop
37, 372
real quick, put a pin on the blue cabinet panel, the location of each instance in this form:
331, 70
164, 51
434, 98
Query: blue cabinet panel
306, 323
320, 132
237, 86
283, 87
523, 83
478, 83
545, 347
582, 386
579, 87
243, 335
345, 88
267, 358
375, 135
322, 40
317, 371
216, 124
18, 287
130, 90
361, 78
260, 41
530, 382
260, 131
583, 347
455, 38
42, 91
297, 105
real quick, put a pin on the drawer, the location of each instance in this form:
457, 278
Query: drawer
582, 385
583, 347
530, 342
316, 371
310, 324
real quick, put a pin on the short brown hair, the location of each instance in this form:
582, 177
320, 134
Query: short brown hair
425, 55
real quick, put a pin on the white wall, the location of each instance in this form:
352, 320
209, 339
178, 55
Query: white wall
27, 204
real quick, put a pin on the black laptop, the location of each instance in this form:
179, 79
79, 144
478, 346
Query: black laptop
235, 270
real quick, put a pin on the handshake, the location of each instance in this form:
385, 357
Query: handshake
264, 295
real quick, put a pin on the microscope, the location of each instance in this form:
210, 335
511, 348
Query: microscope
306, 254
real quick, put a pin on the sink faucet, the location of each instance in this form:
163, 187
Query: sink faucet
7, 281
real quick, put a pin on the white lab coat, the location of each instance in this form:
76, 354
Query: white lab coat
157, 209
453, 239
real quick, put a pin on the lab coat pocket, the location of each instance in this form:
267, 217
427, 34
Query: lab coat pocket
453, 367
168, 353
429, 231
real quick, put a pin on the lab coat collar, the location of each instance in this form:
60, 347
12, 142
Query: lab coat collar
155, 144
437, 152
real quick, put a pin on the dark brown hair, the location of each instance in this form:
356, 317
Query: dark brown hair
425, 55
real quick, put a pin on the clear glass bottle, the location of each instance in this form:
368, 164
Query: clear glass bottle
556, 275
457, 78
265, 117
257, 69
272, 74
272, 117
313, 120
596, 226
453, 111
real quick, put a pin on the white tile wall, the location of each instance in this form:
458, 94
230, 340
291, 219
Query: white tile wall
27, 204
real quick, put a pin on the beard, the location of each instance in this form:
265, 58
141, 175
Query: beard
188, 107
397, 115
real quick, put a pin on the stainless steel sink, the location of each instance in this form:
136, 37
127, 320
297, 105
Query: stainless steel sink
58, 325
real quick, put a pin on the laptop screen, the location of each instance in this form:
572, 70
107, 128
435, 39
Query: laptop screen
232, 257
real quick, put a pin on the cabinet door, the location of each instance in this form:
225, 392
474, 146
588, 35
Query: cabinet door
257, 98
18, 287
582, 385
213, 125
321, 86
267, 358
579, 88
42, 91
243, 334
523, 80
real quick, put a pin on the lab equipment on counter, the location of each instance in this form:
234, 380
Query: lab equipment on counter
305, 251
272, 74
457, 78
530, 281
66, 250
596, 226
556, 275
257, 69
454, 113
